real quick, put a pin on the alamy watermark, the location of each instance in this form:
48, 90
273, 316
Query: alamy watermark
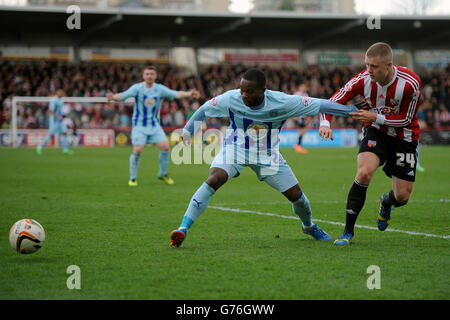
74, 20
74, 280
373, 22
374, 280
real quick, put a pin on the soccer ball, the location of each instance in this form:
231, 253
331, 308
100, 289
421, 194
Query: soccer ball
26, 236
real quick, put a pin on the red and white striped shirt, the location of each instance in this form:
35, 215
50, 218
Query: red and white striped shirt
396, 103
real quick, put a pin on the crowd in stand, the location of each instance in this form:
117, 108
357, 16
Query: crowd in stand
96, 79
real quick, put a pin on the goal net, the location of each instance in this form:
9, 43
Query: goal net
91, 121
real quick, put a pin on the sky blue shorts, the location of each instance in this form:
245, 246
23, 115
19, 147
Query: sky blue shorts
145, 135
57, 127
278, 176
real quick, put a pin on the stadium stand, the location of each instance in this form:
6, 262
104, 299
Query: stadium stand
34, 78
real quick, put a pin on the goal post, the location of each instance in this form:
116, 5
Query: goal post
16, 100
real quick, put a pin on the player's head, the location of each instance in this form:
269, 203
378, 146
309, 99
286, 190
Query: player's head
379, 61
60, 93
253, 85
149, 74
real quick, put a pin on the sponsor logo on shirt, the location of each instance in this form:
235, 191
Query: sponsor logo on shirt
390, 110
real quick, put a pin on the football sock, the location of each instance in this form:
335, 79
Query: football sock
300, 137
355, 202
391, 201
134, 164
65, 142
46, 140
163, 162
199, 202
186, 223
302, 208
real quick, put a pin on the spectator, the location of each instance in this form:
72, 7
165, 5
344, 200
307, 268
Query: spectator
91, 79
444, 116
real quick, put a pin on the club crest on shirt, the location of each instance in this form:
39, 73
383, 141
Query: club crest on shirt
149, 102
394, 102
257, 131
273, 113
213, 101
306, 101
371, 143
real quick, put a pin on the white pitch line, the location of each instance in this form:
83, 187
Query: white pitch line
327, 221
341, 202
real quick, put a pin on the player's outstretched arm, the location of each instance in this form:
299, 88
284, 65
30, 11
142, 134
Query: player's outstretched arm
366, 116
193, 94
115, 97
336, 109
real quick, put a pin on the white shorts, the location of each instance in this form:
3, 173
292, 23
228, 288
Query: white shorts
146, 135
279, 176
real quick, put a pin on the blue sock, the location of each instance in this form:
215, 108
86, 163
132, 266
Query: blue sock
46, 140
186, 223
163, 162
199, 202
65, 142
302, 208
134, 164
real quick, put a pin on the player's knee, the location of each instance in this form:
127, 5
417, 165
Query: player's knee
163, 146
293, 194
138, 149
217, 178
364, 175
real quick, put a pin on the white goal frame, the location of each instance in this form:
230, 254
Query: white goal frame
18, 99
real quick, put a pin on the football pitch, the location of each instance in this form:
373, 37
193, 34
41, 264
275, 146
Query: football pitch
247, 245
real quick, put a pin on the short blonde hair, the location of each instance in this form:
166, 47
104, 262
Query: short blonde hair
382, 50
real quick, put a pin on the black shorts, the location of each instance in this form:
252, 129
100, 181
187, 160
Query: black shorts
399, 157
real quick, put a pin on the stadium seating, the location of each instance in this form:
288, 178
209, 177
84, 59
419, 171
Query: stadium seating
31, 78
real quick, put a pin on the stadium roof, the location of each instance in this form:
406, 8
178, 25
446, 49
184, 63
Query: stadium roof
155, 28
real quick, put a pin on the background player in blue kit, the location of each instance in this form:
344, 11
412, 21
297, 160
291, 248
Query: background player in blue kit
255, 112
301, 122
146, 127
56, 125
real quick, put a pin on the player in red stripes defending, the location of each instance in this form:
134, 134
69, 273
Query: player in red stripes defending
391, 133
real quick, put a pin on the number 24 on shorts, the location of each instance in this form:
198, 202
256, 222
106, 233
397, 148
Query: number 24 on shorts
409, 157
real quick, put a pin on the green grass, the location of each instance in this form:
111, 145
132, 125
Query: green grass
119, 236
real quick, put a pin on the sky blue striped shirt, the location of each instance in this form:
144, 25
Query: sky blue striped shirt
147, 102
